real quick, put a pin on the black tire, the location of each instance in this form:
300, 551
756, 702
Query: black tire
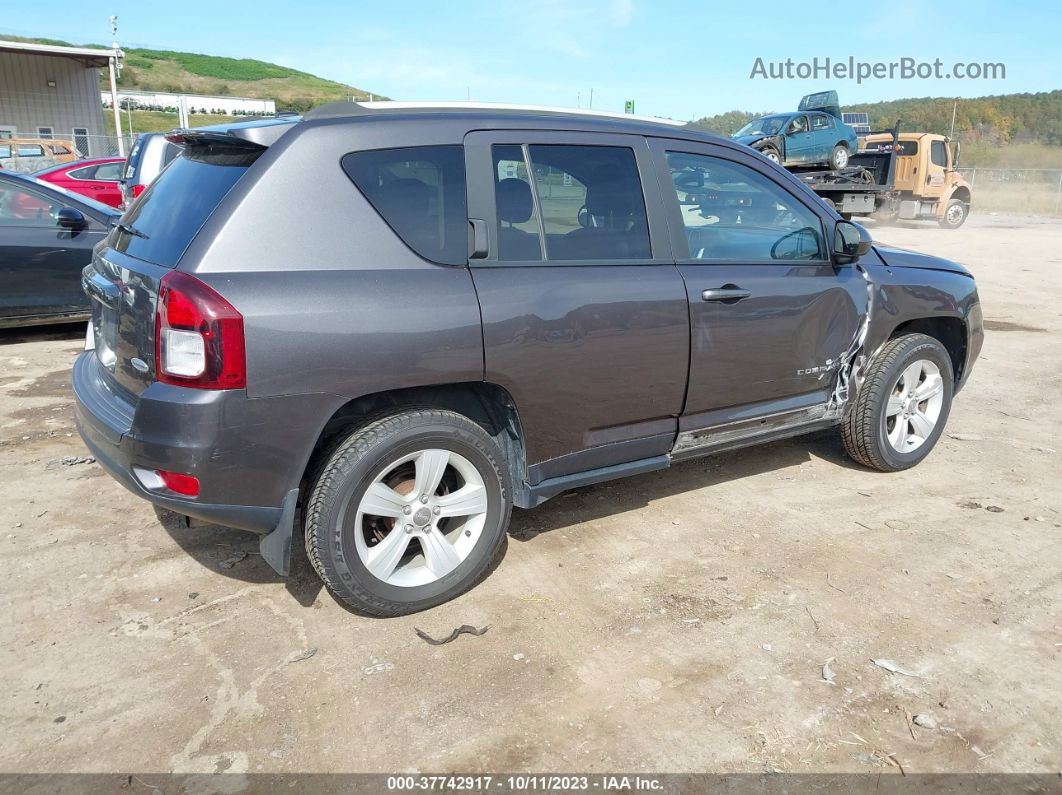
863, 429
839, 152
955, 214
771, 154
350, 470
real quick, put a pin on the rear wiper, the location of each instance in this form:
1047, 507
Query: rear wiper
129, 229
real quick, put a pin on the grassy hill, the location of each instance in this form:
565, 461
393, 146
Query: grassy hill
192, 73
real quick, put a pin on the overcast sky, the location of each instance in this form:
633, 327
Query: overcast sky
679, 59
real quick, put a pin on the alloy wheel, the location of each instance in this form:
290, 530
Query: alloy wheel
914, 405
420, 517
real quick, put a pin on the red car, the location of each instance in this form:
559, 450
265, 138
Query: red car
96, 178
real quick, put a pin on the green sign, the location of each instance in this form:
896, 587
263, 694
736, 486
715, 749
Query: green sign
628, 106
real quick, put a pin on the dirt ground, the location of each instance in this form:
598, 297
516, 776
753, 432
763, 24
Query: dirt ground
676, 621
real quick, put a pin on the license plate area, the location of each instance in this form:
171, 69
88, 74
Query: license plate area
105, 331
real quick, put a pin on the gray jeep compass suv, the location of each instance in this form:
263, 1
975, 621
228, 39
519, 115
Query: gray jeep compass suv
387, 326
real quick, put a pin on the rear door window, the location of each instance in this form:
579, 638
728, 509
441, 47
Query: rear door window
591, 202
589, 199
109, 172
172, 211
518, 228
420, 192
89, 172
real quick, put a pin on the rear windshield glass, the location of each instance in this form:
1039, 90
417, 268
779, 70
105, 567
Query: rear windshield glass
161, 224
420, 192
134, 156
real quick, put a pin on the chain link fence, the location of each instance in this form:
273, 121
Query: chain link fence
103, 145
1037, 191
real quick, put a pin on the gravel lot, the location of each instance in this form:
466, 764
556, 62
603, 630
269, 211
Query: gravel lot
676, 621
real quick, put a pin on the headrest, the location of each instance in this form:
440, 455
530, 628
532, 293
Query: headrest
610, 199
513, 197
404, 195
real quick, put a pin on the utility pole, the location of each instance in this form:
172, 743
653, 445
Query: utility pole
954, 109
591, 99
115, 68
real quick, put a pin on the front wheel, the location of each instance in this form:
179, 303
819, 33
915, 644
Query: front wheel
408, 512
903, 405
771, 154
955, 214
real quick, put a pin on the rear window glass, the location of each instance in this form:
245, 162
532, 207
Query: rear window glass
134, 156
420, 192
905, 148
178, 203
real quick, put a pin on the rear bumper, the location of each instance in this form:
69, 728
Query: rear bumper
248, 454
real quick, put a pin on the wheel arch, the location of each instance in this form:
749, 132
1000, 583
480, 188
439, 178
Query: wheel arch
950, 331
961, 192
488, 405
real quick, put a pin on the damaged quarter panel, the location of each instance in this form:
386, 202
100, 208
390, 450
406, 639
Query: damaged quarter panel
912, 287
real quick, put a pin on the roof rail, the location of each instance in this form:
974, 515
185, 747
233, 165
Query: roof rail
338, 109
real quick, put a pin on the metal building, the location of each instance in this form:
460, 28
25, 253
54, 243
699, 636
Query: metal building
53, 92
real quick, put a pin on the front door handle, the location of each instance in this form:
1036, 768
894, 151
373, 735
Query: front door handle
728, 293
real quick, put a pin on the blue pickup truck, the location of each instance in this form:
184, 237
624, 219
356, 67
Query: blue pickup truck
812, 135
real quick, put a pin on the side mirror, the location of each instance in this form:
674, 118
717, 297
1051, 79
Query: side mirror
850, 242
69, 218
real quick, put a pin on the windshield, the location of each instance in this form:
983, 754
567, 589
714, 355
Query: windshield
768, 125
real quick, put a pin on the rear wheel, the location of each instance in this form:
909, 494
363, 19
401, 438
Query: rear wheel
955, 214
903, 404
839, 157
408, 512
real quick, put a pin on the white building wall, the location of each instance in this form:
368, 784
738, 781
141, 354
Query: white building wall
196, 102
27, 101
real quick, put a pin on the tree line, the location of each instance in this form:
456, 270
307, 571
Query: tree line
994, 120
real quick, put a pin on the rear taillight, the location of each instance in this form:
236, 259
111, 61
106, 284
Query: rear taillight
198, 336
188, 485
138, 189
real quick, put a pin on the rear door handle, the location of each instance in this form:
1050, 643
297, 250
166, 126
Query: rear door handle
725, 294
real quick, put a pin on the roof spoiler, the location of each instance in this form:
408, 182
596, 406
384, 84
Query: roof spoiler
344, 109
252, 135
